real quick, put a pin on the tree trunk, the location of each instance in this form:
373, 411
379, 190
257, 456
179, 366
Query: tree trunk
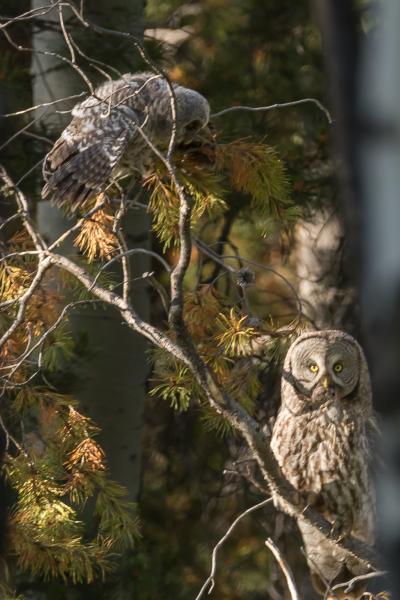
328, 300
339, 250
111, 381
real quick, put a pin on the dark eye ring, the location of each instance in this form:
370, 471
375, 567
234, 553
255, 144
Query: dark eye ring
338, 367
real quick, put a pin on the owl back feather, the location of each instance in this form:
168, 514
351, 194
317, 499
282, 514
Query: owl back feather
104, 130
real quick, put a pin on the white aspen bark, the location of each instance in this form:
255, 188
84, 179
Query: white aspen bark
326, 299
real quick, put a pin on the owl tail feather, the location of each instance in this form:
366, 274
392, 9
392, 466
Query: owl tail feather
82, 174
67, 192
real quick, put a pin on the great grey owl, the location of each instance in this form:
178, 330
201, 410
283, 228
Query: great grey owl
104, 139
321, 442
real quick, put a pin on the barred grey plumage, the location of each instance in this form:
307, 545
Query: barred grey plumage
321, 441
102, 140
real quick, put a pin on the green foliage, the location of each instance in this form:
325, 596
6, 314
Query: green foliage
55, 466
256, 169
173, 381
204, 190
59, 349
216, 423
118, 524
8, 593
54, 475
235, 338
251, 168
253, 54
224, 341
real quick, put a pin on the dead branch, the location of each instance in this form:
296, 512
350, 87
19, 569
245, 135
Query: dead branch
294, 594
209, 584
275, 106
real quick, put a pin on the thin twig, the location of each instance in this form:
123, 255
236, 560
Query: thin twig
131, 252
23, 210
34, 12
43, 105
348, 585
20, 131
30, 349
284, 568
64, 59
273, 107
210, 581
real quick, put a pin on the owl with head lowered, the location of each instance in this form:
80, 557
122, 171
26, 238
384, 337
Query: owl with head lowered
321, 440
117, 131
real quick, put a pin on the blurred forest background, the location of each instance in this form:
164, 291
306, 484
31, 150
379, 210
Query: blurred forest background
187, 471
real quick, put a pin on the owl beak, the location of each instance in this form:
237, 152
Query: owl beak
326, 382
202, 146
206, 136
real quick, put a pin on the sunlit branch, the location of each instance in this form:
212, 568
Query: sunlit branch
294, 594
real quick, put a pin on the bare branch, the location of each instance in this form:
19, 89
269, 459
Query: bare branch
65, 34
23, 300
23, 210
130, 253
54, 55
209, 584
34, 12
39, 343
158, 338
43, 105
348, 585
19, 132
274, 106
221, 261
294, 594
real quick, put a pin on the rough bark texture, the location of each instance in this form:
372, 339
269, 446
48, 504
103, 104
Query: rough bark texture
327, 298
111, 382
338, 23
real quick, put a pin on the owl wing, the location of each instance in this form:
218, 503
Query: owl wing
82, 159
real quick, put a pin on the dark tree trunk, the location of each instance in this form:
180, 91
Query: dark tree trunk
338, 23
366, 102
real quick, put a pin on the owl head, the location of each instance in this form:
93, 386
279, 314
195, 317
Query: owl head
192, 113
327, 368
192, 110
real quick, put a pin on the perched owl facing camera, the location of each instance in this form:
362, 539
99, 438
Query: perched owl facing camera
321, 442
103, 139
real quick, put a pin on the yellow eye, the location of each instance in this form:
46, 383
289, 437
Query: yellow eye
338, 367
313, 368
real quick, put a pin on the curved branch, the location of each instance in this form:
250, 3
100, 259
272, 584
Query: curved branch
274, 106
294, 594
210, 581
